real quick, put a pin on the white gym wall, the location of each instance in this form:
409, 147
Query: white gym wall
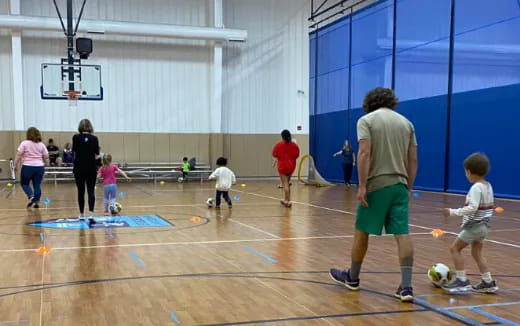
158, 85
266, 78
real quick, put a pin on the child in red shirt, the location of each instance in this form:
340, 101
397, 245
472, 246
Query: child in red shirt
286, 152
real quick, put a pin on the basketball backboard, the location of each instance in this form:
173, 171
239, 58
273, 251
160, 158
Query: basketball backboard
59, 79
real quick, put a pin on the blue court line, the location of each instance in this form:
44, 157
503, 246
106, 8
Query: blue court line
258, 253
42, 237
137, 260
174, 318
494, 317
110, 234
446, 312
501, 304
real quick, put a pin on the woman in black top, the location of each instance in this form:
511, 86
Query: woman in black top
349, 161
86, 149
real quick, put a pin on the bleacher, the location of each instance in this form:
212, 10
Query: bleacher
153, 171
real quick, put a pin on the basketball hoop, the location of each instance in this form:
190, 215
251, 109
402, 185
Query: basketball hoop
73, 97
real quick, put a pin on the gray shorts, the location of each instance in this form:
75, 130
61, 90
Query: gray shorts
476, 233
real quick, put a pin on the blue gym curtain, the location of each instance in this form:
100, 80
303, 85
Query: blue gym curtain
356, 53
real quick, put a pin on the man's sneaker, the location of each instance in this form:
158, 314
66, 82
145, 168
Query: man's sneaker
404, 294
343, 277
484, 287
457, 285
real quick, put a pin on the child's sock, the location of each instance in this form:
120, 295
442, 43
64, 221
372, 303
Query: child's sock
486, 277
461, 275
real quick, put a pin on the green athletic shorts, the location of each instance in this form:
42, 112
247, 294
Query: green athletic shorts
387, 207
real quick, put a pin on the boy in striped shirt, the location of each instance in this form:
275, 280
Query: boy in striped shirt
476, 217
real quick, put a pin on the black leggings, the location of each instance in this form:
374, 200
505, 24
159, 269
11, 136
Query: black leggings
88, 178
347, 172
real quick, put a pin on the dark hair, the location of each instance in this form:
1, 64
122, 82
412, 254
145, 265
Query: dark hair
34, 135
286, 136
85, 126
184, 159
477, 164
51, 140
221, 161
380, 97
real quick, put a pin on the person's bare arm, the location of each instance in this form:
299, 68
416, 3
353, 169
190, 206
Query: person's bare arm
123, 173
17, 160
363, 164
412, 165
46, 160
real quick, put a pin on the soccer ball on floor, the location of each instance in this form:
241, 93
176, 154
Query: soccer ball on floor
210, 202
180, 180
116, 208
440, 274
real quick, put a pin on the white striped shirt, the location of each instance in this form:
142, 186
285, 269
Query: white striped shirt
479, 206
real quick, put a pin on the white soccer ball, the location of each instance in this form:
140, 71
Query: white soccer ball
210, 202
440, 274
180, 180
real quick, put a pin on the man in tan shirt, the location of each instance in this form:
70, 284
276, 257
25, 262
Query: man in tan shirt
387, 166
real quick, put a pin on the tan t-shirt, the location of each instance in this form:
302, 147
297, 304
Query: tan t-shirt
390, 135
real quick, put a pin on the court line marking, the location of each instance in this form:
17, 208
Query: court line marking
256, 278
460, 195
174, 317
41, 292
255, 228
52, 286
296, 202
291, 300
494, 317
109, 233
446, 312
350, 213
485, 305
289, 319
136, 259
21, 321
260, 254
154, 244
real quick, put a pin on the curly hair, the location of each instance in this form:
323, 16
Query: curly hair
477, 163
380, 97
221, 161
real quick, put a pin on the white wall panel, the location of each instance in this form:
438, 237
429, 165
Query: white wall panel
148, 88
6, 92
149, 85
4, 6
264, 77
181, 12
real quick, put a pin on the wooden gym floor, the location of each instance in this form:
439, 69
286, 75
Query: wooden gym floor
257, 264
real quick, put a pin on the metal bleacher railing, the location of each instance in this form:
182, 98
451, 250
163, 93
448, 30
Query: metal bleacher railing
155, 171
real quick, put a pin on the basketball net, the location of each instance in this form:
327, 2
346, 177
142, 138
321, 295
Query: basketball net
73, 97
314, 177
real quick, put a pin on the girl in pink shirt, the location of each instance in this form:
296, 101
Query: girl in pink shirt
33, 154
108, 173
